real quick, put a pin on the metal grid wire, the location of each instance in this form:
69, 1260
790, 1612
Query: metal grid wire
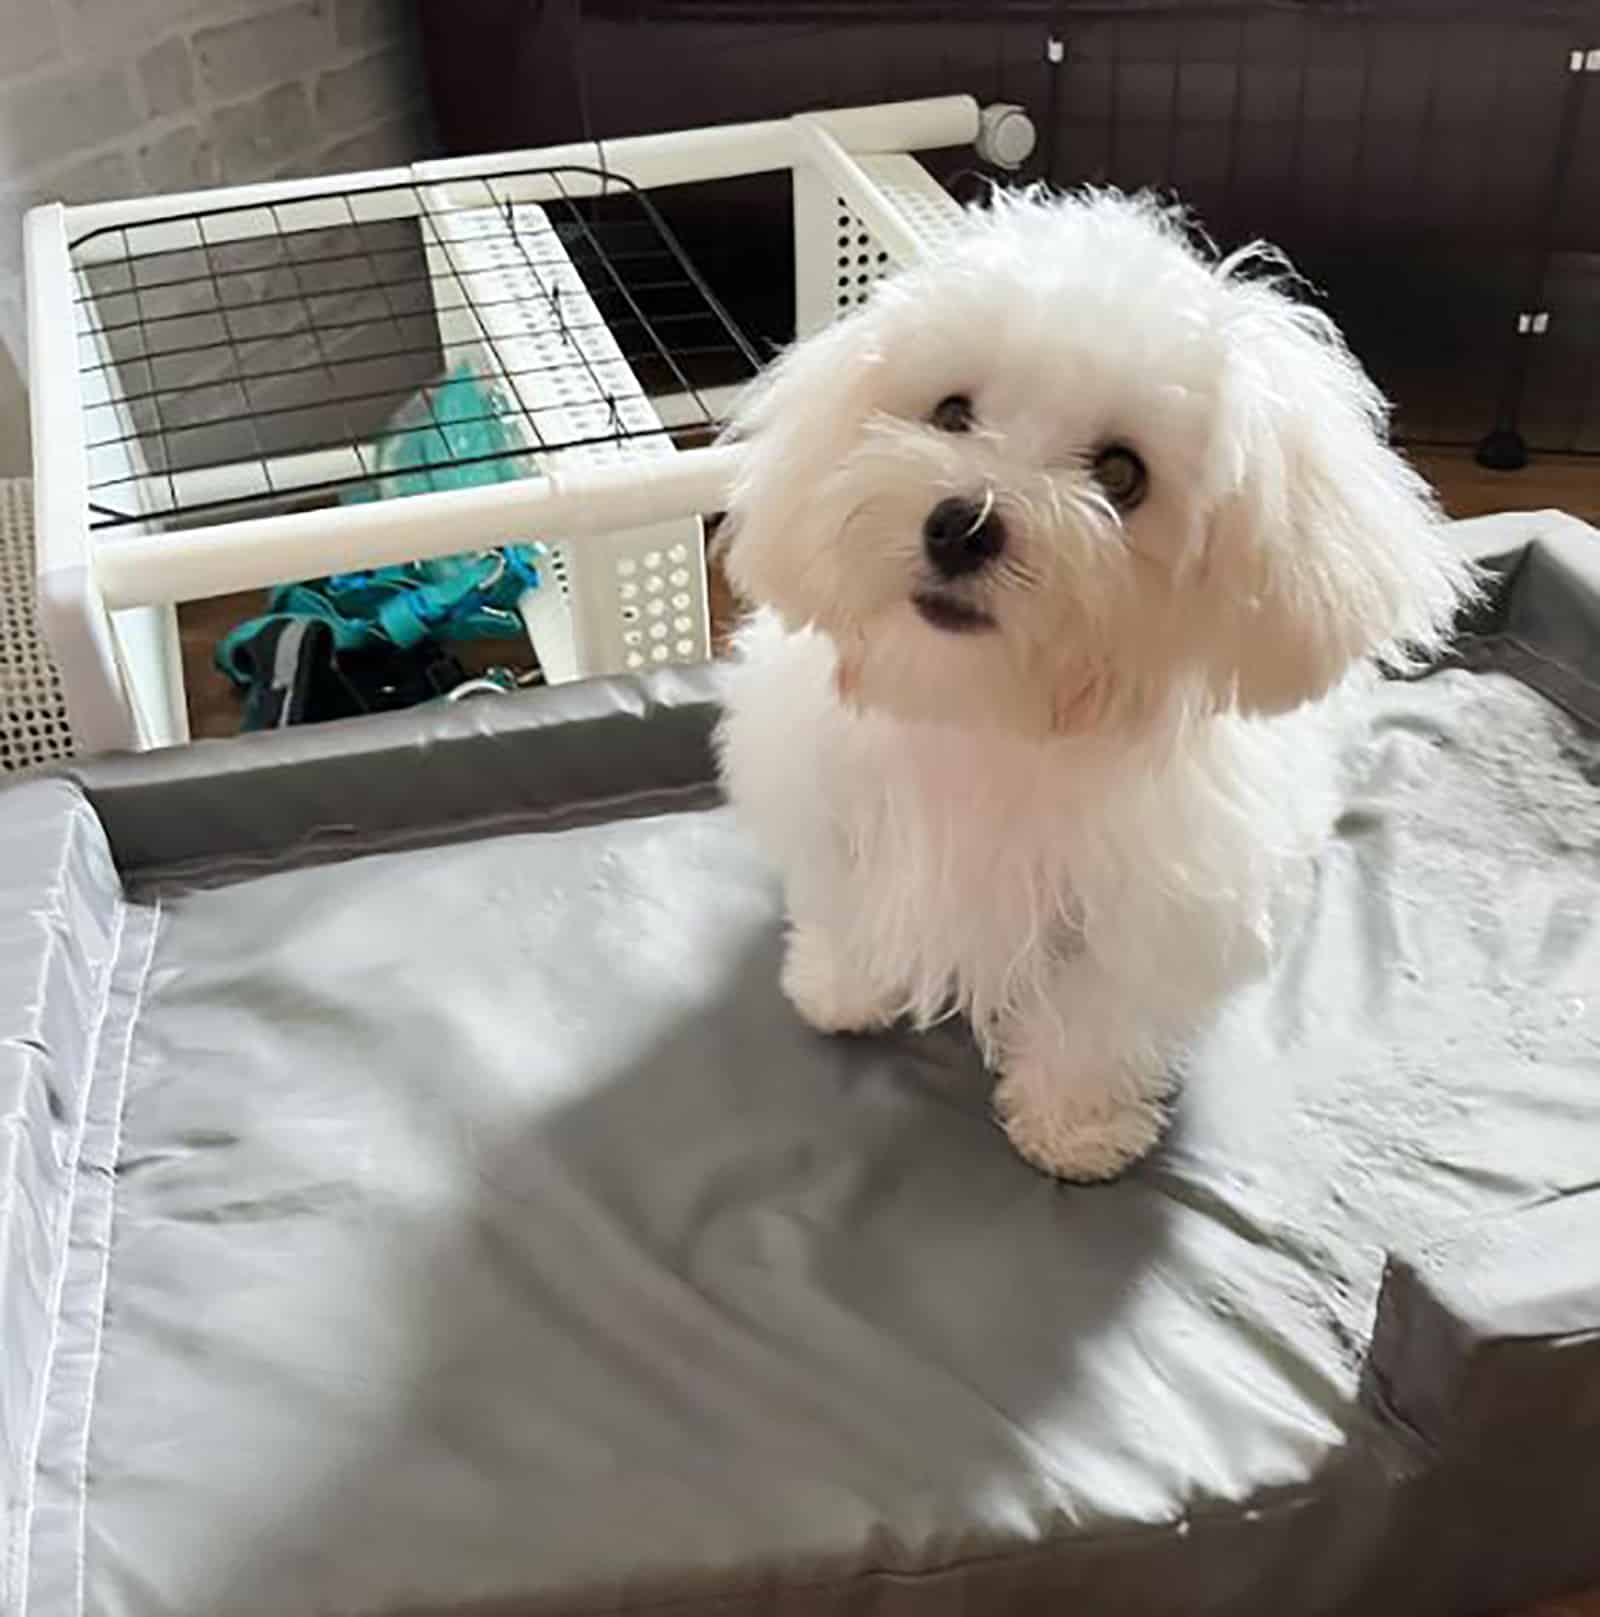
358, 343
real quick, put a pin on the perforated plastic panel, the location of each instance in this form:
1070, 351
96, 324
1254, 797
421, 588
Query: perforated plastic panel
622, 603
33, 712
525, 310
858, 260
839, 259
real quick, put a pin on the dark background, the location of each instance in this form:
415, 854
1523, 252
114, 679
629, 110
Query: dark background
1433, 167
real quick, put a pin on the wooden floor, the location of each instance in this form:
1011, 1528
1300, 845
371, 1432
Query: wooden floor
1465, 488
1560, 483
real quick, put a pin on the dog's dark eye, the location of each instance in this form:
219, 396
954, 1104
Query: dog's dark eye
1122, 475
953, 413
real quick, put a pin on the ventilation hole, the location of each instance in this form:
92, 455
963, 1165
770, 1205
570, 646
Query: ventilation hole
862, 240
883, 258
861, 280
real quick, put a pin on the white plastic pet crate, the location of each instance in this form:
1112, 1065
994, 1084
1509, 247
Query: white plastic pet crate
213, 376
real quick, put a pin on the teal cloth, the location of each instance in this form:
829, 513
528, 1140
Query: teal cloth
457, 434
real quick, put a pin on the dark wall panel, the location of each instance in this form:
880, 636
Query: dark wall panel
1404, 152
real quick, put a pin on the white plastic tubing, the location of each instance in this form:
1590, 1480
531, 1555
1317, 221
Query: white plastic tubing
217, 558
71, 610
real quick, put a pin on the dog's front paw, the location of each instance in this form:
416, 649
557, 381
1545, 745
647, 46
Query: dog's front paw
1062, 1136
829, 996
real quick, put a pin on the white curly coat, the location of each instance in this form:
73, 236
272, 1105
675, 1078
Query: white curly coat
1077, 822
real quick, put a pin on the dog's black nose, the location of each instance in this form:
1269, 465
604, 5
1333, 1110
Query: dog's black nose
960, 535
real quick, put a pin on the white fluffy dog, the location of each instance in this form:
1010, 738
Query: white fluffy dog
1059, 541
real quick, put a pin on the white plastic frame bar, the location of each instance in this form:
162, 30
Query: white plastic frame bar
198, 562
853, 183
651, 162
72, 610
194, 563
727, 151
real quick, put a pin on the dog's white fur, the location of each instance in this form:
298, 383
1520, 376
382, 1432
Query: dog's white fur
1075, 826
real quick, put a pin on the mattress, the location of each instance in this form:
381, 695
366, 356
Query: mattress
416, 1197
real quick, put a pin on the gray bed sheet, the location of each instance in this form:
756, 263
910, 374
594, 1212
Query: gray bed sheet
416, 1197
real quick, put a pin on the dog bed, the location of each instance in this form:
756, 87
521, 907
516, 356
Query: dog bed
416, 1197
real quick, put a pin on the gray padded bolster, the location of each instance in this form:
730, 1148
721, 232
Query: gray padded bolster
60, 911
602, 749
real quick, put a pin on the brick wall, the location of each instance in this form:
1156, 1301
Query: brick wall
107, 98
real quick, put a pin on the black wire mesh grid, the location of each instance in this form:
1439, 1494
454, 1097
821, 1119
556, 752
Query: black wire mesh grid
353, 344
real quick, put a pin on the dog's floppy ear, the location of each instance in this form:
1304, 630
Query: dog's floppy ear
1324, 545
795, 424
